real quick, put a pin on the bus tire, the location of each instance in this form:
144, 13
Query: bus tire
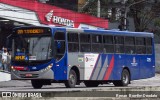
91, 84
72, 80
37, 84
125, 79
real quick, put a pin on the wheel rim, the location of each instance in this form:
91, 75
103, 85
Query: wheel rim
125, 78
72, 79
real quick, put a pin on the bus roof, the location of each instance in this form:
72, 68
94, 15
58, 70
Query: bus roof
112, 32
100, 31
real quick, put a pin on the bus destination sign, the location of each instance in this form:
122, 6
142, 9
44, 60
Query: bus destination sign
30, 31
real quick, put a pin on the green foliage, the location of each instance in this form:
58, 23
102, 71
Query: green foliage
157, 22
106, 5
142, 12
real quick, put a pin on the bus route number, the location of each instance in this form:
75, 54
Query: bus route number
30, 31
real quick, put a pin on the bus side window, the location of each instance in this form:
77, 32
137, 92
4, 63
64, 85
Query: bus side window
108, 44
140, 45
149, 45
97, 45
73, 42
129, 45
119, 44
85, 42
59, 41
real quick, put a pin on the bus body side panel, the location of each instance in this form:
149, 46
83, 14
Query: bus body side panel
118, 66
122, 61
102, 66
106, 68
92, 66
111, 67
76, 60
153, 58
97, 67
140, 66
60, 68
132, 62
147, 69
144, 66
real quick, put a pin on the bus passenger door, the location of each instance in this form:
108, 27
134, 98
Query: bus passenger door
60, 56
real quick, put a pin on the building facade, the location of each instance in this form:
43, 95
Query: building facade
42, 12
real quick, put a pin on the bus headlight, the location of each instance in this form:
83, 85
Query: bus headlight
47, 68
12, 68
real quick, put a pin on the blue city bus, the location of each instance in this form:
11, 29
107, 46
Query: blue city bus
48, 55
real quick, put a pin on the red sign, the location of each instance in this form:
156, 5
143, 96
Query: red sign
52, 15
59, 20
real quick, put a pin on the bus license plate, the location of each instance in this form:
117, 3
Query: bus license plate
28, 75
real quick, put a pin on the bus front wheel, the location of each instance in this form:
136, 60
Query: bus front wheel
72, 80
37, 84
125, 79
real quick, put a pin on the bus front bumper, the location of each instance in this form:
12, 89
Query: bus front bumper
23, 75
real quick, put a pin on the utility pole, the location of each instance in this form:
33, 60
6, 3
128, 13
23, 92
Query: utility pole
98, 8
126, 10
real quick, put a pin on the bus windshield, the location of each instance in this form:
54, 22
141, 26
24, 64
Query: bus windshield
32, 48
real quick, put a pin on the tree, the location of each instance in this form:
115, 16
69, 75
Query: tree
142, 18
142, 11
143, 14
156, 29
107, 7
91, 7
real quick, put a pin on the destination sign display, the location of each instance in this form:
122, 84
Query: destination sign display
30, 31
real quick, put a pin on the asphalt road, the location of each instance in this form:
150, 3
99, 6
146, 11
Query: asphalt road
144, 89
14, 85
